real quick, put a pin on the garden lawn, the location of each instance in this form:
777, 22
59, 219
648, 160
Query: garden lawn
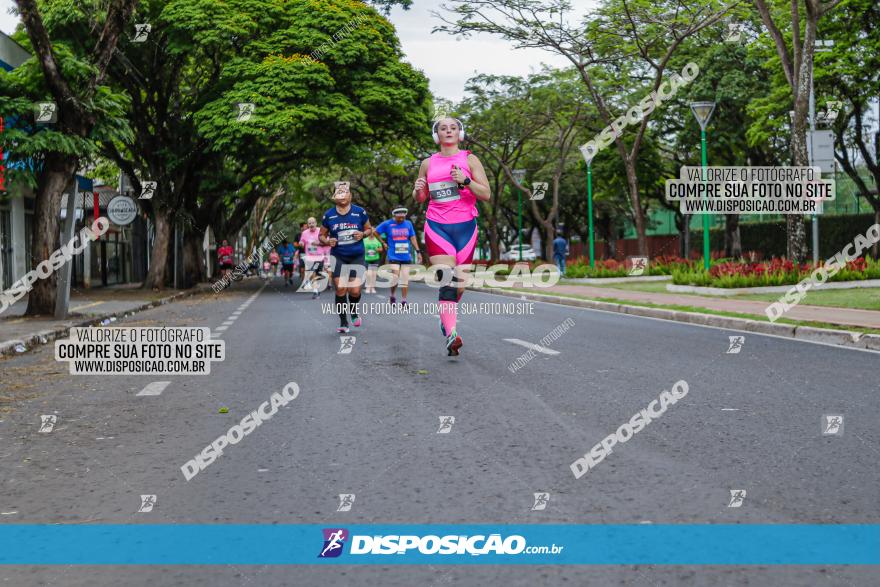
858, 299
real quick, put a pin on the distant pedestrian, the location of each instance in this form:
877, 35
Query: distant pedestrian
560, 250
225, 256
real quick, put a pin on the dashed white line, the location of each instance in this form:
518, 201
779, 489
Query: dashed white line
218, 331
534, 347
154, 388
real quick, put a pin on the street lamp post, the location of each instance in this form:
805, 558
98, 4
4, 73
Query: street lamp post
703, 112
589, 151
519, 175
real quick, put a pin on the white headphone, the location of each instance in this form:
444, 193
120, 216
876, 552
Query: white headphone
437, 137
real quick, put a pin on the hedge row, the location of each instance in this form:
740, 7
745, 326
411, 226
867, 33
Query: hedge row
835, 232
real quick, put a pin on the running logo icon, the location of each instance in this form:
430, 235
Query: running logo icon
245, 111
48, 422
736, 344
346, 500
734, 33
832, 110
446, 423
334, 540
147, 503
346, 344
832, 425
638, 266
541, 501
141, 32
148, 189
539, 188
737, 496
46, 112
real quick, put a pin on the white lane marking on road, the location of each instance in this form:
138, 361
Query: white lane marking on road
154, 388
729, 409
8, 513
534, 347
218, 332
380, 296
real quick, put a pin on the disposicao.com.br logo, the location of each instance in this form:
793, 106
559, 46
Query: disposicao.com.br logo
479, 544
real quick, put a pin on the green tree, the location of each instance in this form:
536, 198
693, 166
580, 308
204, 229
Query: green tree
632, 41
76, 83
324, 81
792, 27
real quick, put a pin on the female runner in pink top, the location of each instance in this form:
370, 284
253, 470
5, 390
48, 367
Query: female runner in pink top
452, 181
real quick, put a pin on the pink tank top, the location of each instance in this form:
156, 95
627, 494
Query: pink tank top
314, 250
447, 203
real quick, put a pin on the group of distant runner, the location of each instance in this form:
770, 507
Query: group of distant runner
451, 180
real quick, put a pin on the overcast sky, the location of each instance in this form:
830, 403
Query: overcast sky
447, 62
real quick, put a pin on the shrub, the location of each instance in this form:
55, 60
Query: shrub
661, 265
776, 271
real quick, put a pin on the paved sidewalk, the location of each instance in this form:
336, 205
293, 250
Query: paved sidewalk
86, 307
842, 316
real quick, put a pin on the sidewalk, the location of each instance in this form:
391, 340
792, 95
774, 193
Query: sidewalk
841, 316
86, 307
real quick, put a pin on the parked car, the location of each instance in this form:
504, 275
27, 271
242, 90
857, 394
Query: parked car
528, 254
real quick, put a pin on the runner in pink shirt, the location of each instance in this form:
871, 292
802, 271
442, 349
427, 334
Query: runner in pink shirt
315, 254
452, 181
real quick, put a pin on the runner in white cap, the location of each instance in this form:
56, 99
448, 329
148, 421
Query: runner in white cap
399, 235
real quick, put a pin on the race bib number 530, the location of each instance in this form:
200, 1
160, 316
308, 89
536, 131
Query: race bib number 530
444, 191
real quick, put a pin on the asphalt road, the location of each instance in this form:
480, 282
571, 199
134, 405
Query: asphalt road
366, 423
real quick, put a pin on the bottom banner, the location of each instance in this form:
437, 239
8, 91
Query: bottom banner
221, 544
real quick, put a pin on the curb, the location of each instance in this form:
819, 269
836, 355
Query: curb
605, 280
844, 338
7, 347
735, 291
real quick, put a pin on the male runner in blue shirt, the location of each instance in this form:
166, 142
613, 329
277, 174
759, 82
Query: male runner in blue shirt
286, 252
399, 235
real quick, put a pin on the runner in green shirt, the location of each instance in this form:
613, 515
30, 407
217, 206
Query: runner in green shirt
373, 253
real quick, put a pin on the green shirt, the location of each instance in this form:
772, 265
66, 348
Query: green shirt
372, 245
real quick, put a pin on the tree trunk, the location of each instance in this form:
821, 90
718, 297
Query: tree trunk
686, 237
547, 235
797, 235
193, 258
159, 256
58, 172
732, 241
635, 201
797, 238
875, 250
494, 251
